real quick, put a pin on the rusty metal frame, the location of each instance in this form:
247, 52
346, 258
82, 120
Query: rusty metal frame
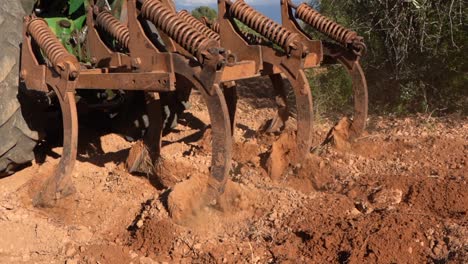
144, 68
248, 60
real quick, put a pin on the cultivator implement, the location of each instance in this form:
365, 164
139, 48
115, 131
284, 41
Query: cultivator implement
143, 66
209, 56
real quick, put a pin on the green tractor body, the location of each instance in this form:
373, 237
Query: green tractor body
67, 20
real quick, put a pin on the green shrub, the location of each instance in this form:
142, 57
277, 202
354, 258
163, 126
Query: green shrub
331, 91
416, 59
205, 11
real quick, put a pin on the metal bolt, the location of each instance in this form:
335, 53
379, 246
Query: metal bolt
73, 74
231, 58
136, 62
23, 74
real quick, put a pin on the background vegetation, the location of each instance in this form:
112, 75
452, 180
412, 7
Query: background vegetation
416, 60
205, 11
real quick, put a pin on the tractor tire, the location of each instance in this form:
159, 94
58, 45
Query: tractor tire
17, 140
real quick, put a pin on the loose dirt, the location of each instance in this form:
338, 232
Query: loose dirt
397, 194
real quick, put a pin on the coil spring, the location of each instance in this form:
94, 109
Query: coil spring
51, 46
263, 25
325, 25
176, 28
198, 25
112, 25
215, 26
251, 38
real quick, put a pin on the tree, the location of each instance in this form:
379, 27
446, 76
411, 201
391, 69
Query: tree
206, 11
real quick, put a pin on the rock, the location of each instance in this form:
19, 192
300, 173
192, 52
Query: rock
70, 251
26, 257
71, 261
146, 260
355, 211
387, 197
429, 232
197, 246
431, 244
139, 223
322, 164
437, 250
363, 207
81, 234
133, 254
282, 153
341, 134
273, 216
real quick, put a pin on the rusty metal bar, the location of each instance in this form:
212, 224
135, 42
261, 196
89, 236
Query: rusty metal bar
152, 81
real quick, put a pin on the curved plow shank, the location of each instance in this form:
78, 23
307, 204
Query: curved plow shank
204, 81
305, 117
279, 121
360, 94
145, 153
59, 184
230, 96
360, 100
304, 107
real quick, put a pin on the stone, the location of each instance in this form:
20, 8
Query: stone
70, 251
71, 261
26, 257
355, 211
133, 254
146, 260
139, 223
197, 246
387, 197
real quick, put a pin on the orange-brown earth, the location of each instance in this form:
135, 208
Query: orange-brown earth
398, 194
